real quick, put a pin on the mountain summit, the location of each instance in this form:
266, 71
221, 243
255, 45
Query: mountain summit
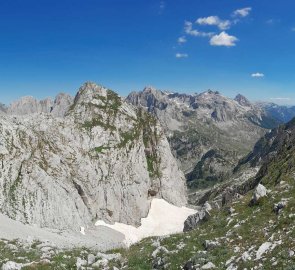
242, 100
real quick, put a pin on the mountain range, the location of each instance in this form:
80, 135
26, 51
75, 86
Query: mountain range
207, 132
86, 171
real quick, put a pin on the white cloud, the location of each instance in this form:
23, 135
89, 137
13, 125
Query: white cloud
293, 29
214, 20
181, 55
162, 4
181, 40
223, 39
257, 75
188, 29
281, 98
243, 12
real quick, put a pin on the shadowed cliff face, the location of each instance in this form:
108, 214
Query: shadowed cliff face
103, 160
207, 132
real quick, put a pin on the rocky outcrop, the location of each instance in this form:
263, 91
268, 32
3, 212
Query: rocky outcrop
194, 220
103, 160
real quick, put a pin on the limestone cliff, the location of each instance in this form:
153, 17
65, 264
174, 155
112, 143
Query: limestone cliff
103, 160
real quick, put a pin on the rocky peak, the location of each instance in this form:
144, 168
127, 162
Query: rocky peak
90, 91
29, 105
61, 104
243, 101
211, 92
149, 98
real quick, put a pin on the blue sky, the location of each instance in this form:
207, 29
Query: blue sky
48, 46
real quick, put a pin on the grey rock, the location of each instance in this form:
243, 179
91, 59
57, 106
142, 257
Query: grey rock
62, 104
277, 208
30, 105
242, 100
101, 263
210, 244
208, 265
194, 220
90, 259
259, 192
158, 250
80, 263
109, 257
10, 265
67, 172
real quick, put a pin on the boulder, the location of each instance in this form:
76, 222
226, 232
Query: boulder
194, 220
259, 192
208, 265
279, 206
80, 263
211, 244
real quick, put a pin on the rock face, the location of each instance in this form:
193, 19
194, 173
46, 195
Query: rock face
207, 132
29, 105
61, 104
103, 160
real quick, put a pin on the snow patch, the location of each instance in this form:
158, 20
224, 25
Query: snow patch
163, 219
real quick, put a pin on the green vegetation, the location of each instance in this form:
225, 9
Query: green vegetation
15, 184
100, 149
97, 122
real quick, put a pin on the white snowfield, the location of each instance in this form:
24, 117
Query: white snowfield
163, 219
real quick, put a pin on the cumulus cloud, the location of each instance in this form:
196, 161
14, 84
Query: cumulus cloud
243, 12
257, 75
181, 40
181, 55
188, 29
214, 20
223, 39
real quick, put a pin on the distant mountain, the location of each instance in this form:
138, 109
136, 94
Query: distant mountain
281, 113
30, 105
3, 108
207, 132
